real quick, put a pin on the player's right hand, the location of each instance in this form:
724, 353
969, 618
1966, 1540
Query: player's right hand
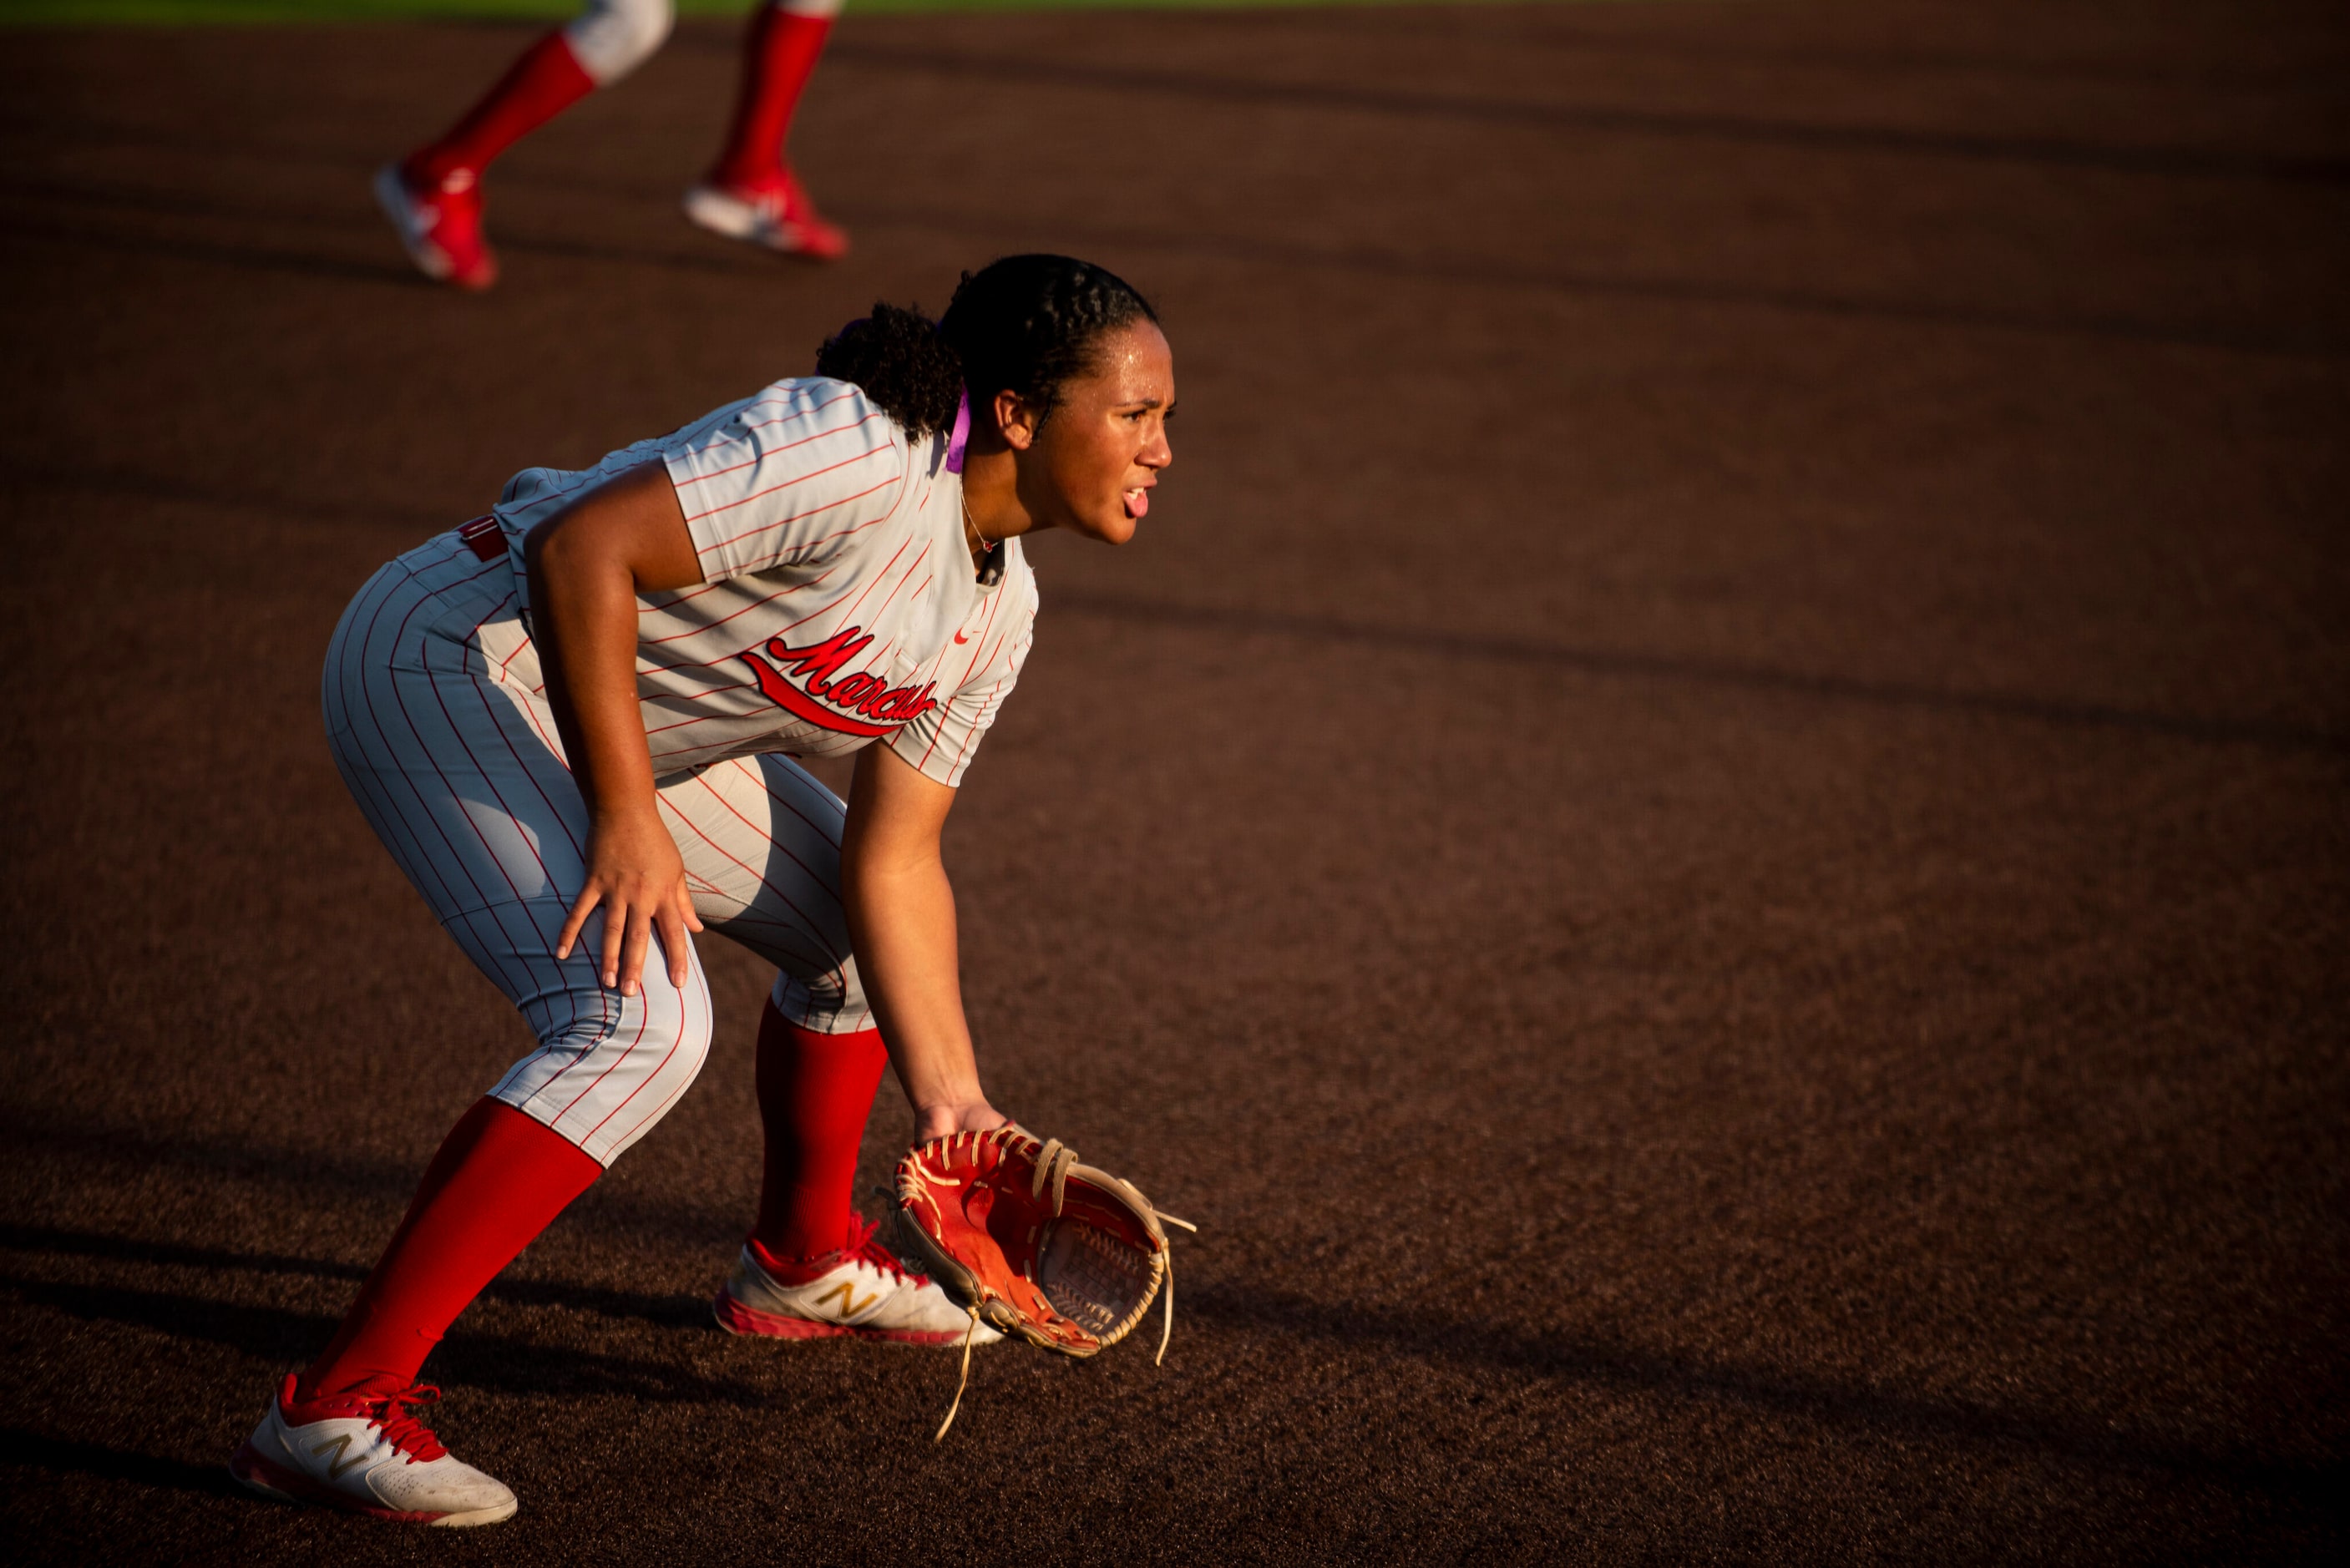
637, 877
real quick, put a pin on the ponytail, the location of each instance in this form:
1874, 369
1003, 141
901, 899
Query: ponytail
1024, 324
902, 364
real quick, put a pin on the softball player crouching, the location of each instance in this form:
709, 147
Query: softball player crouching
573, 722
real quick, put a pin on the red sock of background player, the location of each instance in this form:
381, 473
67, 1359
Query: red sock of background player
545, 82
815, 1092
498, 1180
777, 57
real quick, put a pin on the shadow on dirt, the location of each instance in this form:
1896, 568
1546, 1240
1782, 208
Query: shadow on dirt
662, 1310
513, 1364
78, 217
2176, 160
504, 1364
49, 1144
1511, 1350
1601, 662
21, 1449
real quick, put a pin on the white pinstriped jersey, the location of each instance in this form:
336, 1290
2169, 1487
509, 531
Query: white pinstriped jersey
840, 607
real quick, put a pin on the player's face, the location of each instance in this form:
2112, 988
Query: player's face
1094, 460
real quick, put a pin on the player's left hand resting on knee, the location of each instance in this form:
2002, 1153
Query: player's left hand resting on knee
587, 563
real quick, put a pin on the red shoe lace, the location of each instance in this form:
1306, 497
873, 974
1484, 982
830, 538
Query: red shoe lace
865, 1247
404, 1428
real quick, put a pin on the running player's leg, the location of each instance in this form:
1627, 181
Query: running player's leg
761, 840
434, 195
751, 192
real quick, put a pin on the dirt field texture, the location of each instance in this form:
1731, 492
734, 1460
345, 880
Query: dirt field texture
1707, 834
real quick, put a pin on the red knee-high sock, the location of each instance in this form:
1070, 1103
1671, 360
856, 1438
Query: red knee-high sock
499, 1180
777, 57
814, 1093
545, 82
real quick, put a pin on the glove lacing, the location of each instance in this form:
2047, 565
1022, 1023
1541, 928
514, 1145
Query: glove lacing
1052, 1163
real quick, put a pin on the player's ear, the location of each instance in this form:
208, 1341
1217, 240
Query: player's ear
1018, 419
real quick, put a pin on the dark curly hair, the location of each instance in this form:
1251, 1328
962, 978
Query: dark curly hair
1024, 324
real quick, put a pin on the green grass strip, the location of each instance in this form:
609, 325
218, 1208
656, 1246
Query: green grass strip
200, 12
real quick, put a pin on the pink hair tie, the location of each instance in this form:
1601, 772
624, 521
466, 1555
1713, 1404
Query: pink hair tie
959, 437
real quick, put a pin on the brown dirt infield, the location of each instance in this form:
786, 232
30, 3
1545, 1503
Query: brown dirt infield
1707, 834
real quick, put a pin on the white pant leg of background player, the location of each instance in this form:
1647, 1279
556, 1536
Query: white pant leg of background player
612, 37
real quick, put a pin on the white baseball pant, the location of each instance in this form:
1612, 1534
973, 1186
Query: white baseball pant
609, 38
435, 717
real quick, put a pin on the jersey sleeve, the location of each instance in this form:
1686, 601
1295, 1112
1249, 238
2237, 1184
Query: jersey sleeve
789, 479
940, 744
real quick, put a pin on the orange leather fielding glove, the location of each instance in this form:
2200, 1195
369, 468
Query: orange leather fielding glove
1032, 1242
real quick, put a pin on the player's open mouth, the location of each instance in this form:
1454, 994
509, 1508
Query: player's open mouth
1138, 500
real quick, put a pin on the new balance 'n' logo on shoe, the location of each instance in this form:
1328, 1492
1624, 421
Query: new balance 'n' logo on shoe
845, 1294
337, 1465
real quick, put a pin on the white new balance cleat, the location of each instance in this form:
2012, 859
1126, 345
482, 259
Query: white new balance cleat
861, 1291
777, 215
367, 1454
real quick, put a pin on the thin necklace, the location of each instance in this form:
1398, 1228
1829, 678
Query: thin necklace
972, 536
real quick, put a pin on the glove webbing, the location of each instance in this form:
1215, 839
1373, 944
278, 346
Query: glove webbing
1053, 1165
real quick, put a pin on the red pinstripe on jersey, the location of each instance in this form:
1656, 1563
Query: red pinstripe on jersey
769, 452
760, 529
812, 514
857, 595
